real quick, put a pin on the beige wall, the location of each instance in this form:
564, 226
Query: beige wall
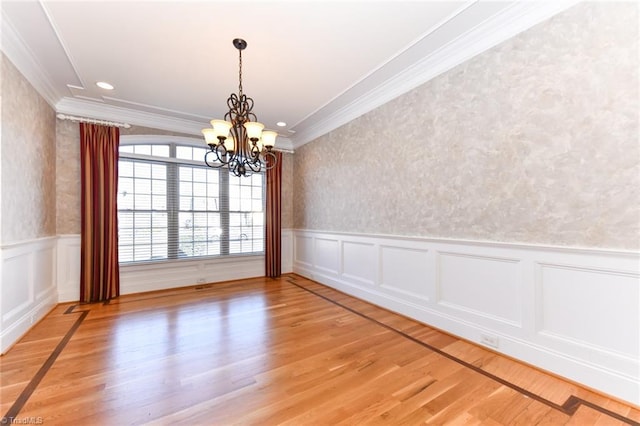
28, 160
533, 141
67, 177
287, 191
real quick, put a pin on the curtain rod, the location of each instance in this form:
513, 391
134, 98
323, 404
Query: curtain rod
92, 120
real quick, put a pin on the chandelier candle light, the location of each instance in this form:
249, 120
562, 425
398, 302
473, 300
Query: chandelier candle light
238, 142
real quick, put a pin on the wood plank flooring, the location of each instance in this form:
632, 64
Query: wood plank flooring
288, 351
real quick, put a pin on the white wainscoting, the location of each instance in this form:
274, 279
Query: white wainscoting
574, 312
150, 277
68, 271
286, 262
28, 287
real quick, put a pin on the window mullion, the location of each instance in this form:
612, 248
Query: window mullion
172, 206
224, 211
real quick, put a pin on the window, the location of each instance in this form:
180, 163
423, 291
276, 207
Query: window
172, 206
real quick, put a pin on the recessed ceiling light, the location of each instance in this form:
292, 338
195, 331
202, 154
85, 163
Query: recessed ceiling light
104, 85
281, 124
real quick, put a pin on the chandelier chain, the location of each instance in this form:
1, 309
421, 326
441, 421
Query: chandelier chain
240, 72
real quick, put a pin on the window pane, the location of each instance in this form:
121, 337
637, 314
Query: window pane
142, 149
159, 202
159, 187
160, 150
142, 220
184, 152
186, 173
142, 170
125, 237
159, 220
199, 153
199, 175
125, 194
200, 189
186, 203
212, 176
186, 188
142, 186
185, 221
142, 236
125, 168
199, 203
125, 220
142, 253
143, 202
213, 204
125, 148
159, 251
159, 171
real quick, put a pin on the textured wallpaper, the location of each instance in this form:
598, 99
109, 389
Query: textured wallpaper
287, 191
68, 220
533, 141
28, 160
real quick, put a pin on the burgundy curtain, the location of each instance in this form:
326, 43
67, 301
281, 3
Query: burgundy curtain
272, 250
99, 269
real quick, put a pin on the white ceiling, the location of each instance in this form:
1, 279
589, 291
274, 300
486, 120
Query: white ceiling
312, 64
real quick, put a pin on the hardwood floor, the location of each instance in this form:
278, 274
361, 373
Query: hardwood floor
261, 351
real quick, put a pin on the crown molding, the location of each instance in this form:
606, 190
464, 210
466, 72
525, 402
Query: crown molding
369, 94
103, 111
505, 24
16, 50
100, 111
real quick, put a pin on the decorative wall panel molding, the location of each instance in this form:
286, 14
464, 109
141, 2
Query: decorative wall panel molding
405, 271
470, 283
357, 261
28, 290
574, 312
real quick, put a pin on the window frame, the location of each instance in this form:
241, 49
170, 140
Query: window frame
130, 140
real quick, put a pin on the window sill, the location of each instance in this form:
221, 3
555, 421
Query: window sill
172, 263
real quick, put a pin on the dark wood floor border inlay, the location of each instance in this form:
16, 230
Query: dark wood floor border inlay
26, 393
569, 407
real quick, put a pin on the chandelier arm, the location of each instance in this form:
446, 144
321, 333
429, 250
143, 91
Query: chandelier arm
274, 160
213, 164
255, 166
240, 71
222, 154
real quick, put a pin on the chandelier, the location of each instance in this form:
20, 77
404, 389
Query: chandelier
238, 142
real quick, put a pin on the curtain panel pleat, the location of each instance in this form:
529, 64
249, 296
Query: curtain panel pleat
272, 252
99, 268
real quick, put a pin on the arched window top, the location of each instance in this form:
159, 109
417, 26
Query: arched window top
180, 148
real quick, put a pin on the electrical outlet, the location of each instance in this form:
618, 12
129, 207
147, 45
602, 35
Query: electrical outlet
201, 281
489, 340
